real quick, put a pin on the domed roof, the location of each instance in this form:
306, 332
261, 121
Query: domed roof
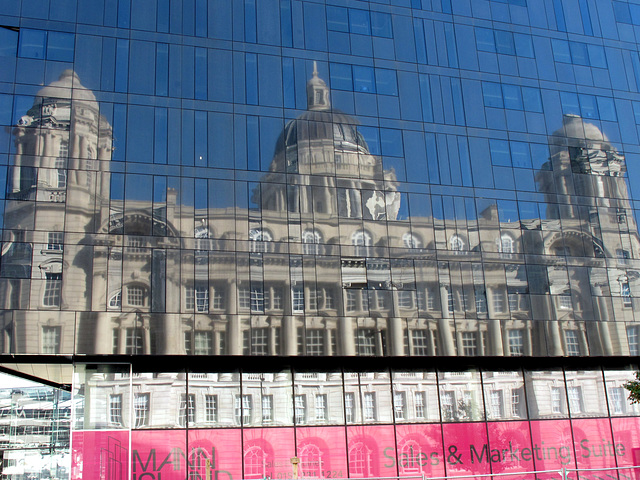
67, 86
314, 126
575, 127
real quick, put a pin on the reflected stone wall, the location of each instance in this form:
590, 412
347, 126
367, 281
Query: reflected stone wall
326, 254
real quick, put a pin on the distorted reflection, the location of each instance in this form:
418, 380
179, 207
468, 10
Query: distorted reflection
327, 253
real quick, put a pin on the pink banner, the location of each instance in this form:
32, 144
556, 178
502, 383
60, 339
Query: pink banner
433, 450
371, 451
510, 448
552, 446
420, 450
221, 447
157, 454
626, 439
466, 449
267, 453
100, 455
594, 444
322, 452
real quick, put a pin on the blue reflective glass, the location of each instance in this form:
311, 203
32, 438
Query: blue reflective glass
579, 54
32, 43
391, 141
363, 79
500, 152
359, 22
381, 25
524, 46
561, 51
337, 19
8, 42
597, 57
372, 137
588, 106
512, 97
492, 94
607, 109
520, 154
386, 83
341, 78
531, 99
569, 102
485, 40
504, 42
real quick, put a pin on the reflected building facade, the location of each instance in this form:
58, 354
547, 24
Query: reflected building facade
219, 193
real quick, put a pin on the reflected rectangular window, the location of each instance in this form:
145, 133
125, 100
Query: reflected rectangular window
141, 409
133, 341
515, 403
243, 409
556, 400
52, 289
369, 406
349, 407
297, 299
399, 405
315, 341
572, 342
366, 341
420, 399
321, 407
633, 340
187, 410
618, 396
420, 342
516, 342
51, 339
300, 404
135, 296
470, 343
115, 410
496, 407
448, 407
575, 400
55, 241
257, 299
211, 408
267, 408
259, 341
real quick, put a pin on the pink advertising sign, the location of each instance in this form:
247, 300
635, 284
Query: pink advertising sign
221, 447
100, 455
322, 452
267, 453
510, 448
419, 450
371, 451
466, 449
552, 446
626, 440
159, 454
594, 444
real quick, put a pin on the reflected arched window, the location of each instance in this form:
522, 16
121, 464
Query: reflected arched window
115, 302
362, 240
507, 245
359, 460
456, 244
311, 240
259, 240
255, 460
410, 455
311, 461
411, 241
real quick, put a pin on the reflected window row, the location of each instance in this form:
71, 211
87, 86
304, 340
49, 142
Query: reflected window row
24, 332
175, 400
